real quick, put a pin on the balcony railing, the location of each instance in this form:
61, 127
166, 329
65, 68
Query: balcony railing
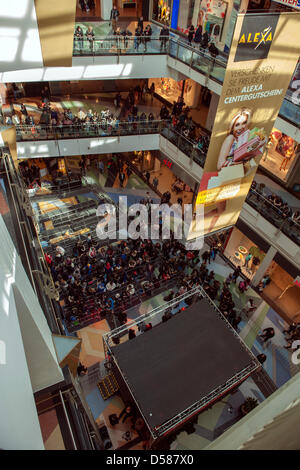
274, 215
199, 59
117, 128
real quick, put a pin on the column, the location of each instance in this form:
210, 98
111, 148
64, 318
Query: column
106, 6
212, 111
264, 266
56, 21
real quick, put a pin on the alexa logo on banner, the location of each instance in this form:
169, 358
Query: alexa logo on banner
256, 37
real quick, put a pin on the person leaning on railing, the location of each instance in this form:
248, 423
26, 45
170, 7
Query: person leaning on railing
78, 36
90, 36
147, 36
295, 219
137, 38
164, 37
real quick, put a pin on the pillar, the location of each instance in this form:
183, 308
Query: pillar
264, 266
56, 22
106, 6
212, 111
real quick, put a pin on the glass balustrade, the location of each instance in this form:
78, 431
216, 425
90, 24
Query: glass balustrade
274, 215
196, 58
120, 128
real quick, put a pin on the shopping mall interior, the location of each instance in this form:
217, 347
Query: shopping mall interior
101, 331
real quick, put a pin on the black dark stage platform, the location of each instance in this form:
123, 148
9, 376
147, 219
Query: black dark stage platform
193, 357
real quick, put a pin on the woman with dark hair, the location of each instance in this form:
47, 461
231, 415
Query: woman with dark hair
191, 34
78, 36
198, 35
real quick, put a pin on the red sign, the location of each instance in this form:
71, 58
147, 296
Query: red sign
168, 163
297, 281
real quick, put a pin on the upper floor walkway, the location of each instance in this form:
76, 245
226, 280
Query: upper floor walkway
119, 57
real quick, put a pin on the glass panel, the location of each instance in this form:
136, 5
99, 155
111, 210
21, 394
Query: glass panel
290, 111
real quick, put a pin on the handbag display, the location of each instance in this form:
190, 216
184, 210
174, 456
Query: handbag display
249, 144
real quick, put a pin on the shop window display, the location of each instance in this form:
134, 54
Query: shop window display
162, 11
281, 151
211, 18
241, 251
171, 90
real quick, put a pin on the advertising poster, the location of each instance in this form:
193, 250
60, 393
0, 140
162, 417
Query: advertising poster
264, 53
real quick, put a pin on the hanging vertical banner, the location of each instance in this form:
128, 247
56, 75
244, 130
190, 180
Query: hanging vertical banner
264, 53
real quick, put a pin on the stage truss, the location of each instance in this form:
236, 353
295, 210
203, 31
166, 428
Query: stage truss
204, 402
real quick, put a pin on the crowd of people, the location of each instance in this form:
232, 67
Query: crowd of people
275, 203
202, 39
93, 278
124, 38
126, 117
107, 280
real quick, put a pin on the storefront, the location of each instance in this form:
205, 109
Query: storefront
215, 17
170, 176
161, 11
170, 90
281, 155
283, 292
243, 252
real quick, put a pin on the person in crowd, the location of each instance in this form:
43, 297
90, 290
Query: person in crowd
122, 178
205, 40
81, 115
91, 5
236, 273
131, 334
191, 32
295, 218
251, 307
141, 24
127, 412
267, 334
261, 358
147, 36
265, 280
114, 16
81, 370
78, 36
206, 256
155, 182
24, 110
137, 38
164, 37
152, 91
126, 37
247, 260
90, 36
198, 35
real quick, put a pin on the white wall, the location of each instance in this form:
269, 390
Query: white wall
19, 424
19, 37
94, 68
180, 158
51, 148
106, 6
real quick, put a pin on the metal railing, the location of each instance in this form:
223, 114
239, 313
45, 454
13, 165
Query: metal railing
199, 292
103, 128
197, 58
274, 214
30, 249
120, 128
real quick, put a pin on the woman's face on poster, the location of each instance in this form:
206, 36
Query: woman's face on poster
239, 126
